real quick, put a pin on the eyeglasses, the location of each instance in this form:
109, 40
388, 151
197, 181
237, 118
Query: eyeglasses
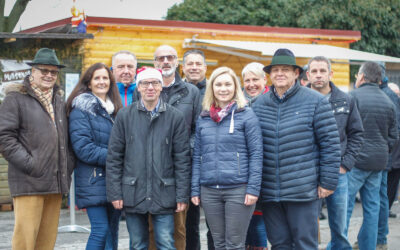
147, 84
45, 72
160, 59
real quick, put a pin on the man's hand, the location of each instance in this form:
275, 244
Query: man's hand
250, 199
342, 170
118, 204
196, 200
323, 193
180, 206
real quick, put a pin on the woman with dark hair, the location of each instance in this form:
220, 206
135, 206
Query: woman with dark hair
92, 107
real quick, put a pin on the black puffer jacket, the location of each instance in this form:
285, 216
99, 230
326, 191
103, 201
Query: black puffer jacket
39, 159
148, 161
378, 115
349, 125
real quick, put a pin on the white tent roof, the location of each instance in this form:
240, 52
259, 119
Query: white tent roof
299, 50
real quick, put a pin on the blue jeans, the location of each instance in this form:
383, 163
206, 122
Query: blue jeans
337, 212
368, 183
256, 234
104, 223
138, 228
383, 226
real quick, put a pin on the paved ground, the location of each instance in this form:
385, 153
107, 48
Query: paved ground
68, 241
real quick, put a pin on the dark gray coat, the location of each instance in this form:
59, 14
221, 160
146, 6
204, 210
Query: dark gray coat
39, 159
378, 115
148, 162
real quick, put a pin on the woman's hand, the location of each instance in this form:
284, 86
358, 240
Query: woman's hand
249, 199
196, 200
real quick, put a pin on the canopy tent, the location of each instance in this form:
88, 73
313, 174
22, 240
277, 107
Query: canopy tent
299, 50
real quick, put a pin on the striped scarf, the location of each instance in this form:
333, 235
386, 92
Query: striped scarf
45, 97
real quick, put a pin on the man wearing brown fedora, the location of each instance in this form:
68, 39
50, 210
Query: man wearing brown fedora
34, 141
301, 155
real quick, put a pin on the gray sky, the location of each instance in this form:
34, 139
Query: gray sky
39, 12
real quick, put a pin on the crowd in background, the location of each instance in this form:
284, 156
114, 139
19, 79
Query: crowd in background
258, 158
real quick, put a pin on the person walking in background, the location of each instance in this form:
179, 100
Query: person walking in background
378, 115
319, 73
255, 84
92, 107
124, 65
34, 141
301, 155
227, 160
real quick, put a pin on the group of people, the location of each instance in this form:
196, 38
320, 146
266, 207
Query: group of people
258, 159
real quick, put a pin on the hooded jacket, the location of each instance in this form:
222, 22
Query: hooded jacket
36, 148
228, 153
90, 128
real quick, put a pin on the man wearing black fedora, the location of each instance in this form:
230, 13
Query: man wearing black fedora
301, 155
34, 141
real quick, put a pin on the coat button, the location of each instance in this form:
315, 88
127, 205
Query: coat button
148, 198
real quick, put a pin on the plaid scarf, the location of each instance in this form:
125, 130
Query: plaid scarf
45, 97
217, 113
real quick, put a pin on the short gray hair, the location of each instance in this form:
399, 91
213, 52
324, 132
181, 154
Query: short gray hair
121, 52
320, 59
372, 72
255, 68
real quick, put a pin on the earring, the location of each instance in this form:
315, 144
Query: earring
31, 78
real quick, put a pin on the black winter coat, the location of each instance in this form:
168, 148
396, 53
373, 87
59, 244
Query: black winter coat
148, 161
378, 115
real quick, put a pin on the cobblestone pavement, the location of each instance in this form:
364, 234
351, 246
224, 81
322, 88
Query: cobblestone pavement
72, 241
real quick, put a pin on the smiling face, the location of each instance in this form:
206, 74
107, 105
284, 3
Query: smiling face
319, 75
223, 89
253, 84
100, 83
44, 76
166, 59
150, 90
194, 68
283, 76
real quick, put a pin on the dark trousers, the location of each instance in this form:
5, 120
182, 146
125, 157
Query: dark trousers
192, 227
392, 185
292, 225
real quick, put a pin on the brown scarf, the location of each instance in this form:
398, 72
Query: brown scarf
45, 97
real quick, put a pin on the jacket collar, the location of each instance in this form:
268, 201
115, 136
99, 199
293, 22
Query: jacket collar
289, 93
369, 84
161, 108
205, 113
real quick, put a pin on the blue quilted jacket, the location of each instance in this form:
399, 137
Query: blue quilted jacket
224, 160
301, 145
89, 129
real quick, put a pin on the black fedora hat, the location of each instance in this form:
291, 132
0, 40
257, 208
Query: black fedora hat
46, 56
283, 57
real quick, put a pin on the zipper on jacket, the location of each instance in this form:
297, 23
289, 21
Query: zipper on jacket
216, 152
94, 172
238, 161
276, 152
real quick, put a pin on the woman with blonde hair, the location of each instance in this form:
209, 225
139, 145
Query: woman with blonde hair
227, 160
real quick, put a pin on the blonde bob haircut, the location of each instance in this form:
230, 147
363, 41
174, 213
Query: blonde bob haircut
209, 97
